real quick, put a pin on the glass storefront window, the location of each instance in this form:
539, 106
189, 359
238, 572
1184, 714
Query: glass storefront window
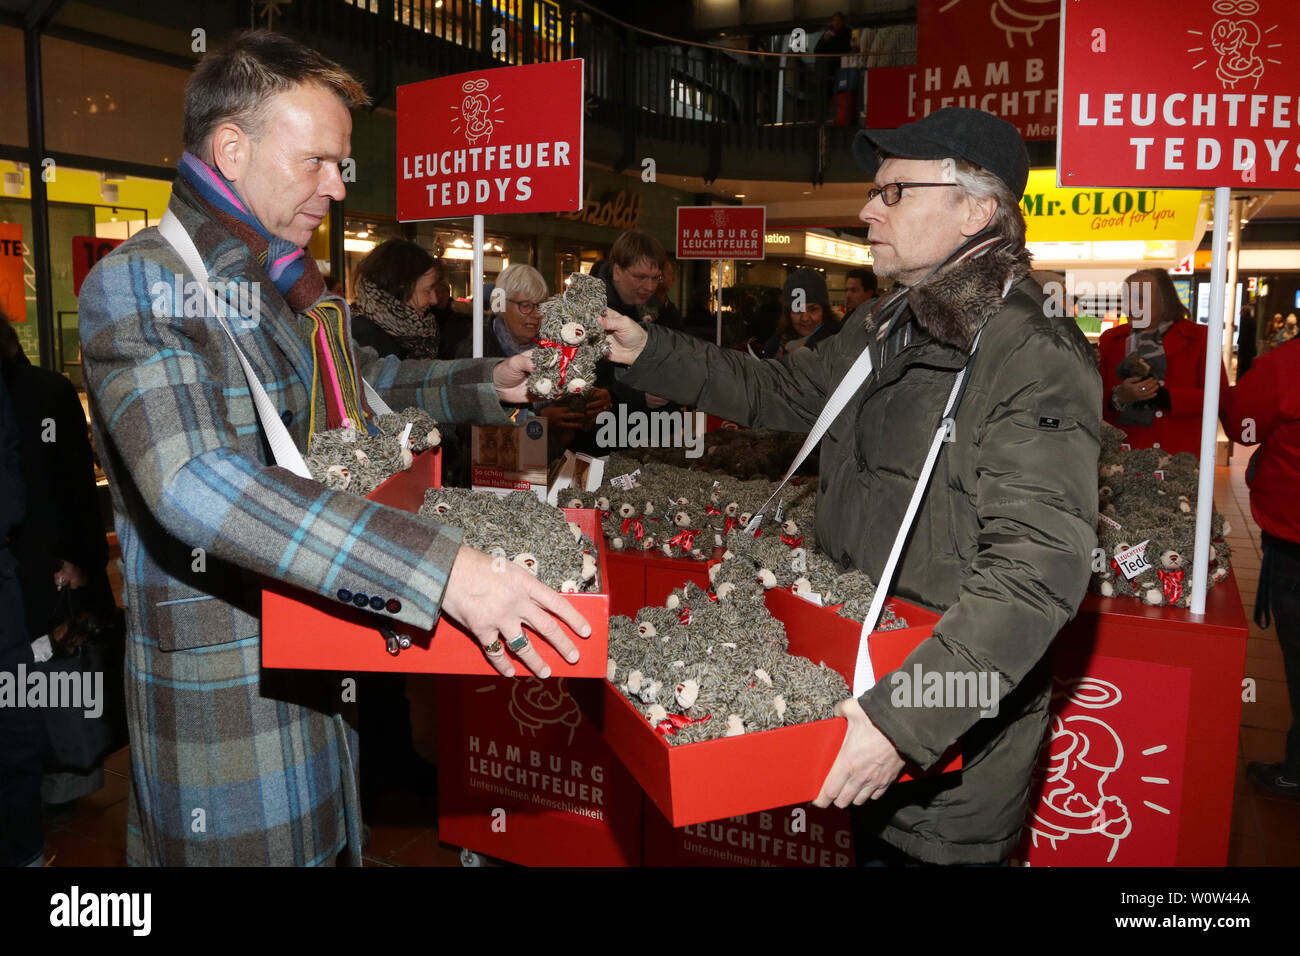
85, 206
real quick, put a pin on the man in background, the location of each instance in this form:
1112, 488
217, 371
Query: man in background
860, 285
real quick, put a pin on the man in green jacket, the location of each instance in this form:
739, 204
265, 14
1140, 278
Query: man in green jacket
1002, 543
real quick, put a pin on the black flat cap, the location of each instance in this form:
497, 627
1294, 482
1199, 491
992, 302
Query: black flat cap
952, 132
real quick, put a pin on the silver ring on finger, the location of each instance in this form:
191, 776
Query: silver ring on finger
518, 643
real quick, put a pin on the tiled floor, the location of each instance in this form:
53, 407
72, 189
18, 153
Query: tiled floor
1265, 830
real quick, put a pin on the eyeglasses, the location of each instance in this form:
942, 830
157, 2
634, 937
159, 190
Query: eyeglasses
525, 307
891, 193
640, 278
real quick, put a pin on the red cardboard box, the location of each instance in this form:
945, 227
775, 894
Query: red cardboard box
639, 579
524, 776
313, 632
698, 782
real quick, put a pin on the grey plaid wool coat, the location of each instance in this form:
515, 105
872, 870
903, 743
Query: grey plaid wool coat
231, 765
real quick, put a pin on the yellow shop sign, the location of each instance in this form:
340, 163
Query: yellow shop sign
1056, 214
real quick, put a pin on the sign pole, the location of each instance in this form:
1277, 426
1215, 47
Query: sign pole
1210, 409
719, 302
1234, 256
477, 286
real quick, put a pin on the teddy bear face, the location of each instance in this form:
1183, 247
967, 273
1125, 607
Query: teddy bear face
572, 333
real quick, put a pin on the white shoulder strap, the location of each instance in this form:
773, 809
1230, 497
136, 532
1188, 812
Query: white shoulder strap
864, 675
377, 404
283, 449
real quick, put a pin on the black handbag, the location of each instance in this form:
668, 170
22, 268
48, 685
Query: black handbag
86, 670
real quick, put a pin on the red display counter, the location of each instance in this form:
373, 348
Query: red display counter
1139, 766
1137, 769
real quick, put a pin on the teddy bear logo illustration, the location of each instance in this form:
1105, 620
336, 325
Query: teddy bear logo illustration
1076, 763
535, 704
1237, 40
475, 107
1019, 18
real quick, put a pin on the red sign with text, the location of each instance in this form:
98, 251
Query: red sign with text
720, 232
13, 294
86, 251
1216, 103
796, 836
507, 140
999, 56
523, 776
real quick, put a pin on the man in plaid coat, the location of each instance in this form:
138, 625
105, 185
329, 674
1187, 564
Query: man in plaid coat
231, 765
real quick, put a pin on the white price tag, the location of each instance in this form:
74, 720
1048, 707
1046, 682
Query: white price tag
626, 482
1133, 561
812, 597
1106, 519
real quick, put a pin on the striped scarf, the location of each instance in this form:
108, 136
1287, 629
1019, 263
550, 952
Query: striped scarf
323, 320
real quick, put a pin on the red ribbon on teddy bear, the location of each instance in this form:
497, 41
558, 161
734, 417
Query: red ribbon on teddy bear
1171, 582
685, 539
567, 352
636, 525
675, 722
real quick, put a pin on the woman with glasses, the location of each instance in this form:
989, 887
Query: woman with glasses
512, 331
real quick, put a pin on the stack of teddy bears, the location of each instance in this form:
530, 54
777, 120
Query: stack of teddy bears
347, 459
707, 665
681, 512
570, 339
1148, 497
519, 528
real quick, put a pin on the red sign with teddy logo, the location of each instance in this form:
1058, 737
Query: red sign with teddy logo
1110, 780
1215, 103
507, 140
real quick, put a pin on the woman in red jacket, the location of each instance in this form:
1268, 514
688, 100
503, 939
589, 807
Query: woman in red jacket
1153, 368
1265, 408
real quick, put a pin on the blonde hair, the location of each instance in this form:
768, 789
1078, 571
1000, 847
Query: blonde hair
522, 282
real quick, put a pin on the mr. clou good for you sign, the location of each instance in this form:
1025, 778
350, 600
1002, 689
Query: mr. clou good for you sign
1200, 93
506, 140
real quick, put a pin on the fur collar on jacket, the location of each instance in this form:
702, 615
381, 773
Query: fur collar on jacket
953, 304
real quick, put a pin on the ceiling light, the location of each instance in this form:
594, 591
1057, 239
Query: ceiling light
363, 234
